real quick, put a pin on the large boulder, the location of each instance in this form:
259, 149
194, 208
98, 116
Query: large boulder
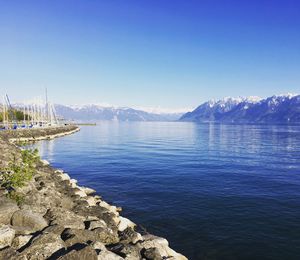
45, 162
161, 246
7, 235
106, 235
104, 254
75, 236
110, 208
88, 191
128, 251
36, 208
125, 223
65, 177
91, 200
66, 202
30, 220
100, 212
96, 224
65, 218
8, 253
108, 255
151, 253
78, 191
73, 183
43, 200
7, 209
20, 241
130, 236
23, 231
86, 253
43, 246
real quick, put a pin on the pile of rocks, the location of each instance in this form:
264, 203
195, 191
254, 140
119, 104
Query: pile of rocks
58, 219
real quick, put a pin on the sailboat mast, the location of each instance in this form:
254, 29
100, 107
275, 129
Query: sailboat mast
24, 111
46, 106
4, 112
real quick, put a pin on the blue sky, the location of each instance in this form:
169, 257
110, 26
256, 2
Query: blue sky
146, 53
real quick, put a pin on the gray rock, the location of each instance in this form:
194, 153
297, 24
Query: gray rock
151, 253
7, 209
125, 223
107, 235
36, 208
97, 224
73, 183
75, 236
107, 255
91, 200
130, 236
65, 218
66, 203
7, 235
54, 229
88, 191
45, 162
162, 246
22, 230
131, 251
80, 192
9, 253
20, 241
65, 177
87, 253
97, 211
43, 200
28, 219
43, 246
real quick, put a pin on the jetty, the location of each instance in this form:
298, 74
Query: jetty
37, 134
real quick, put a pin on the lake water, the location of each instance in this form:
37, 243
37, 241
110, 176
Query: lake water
214, 191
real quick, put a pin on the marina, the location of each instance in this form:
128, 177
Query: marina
34, 114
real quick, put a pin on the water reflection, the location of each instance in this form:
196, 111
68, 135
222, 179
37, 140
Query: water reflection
46, 149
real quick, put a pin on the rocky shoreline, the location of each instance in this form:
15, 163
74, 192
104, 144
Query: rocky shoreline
58, 219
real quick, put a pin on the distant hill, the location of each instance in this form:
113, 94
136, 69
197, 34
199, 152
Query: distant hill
275, 109
97, 113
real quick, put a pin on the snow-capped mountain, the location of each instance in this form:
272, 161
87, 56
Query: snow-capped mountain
94, 112
275, 109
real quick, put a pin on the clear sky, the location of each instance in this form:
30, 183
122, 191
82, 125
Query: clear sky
148, 53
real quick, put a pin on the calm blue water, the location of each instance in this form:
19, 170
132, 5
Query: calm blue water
214, 191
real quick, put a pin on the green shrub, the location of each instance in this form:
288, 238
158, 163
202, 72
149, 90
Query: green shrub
21, 143
17, 115
30, 156
19, 172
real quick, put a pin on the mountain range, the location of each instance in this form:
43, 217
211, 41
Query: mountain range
98, 113
275, 109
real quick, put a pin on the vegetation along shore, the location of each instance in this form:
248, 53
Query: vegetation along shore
44, 214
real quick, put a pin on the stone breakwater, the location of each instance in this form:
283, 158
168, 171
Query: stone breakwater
58, 219
36, 134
